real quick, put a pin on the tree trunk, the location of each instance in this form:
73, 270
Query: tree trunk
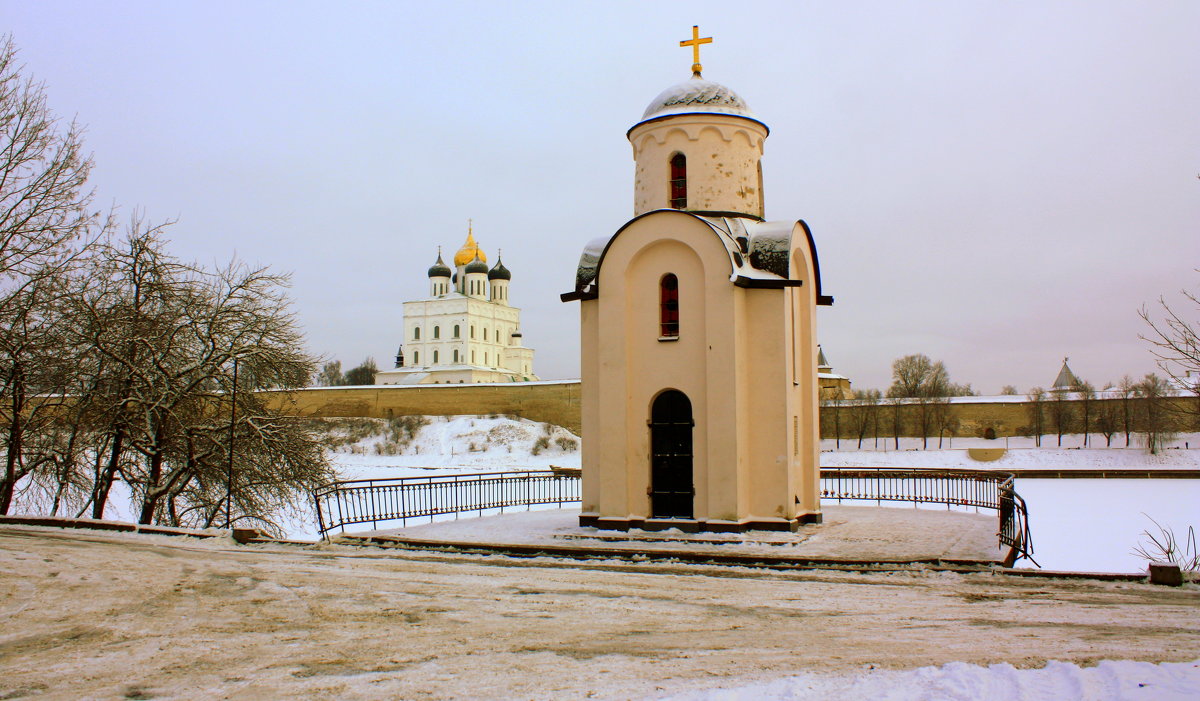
153, 491
105, 478
15, 429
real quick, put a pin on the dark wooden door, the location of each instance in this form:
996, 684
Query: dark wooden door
671, 486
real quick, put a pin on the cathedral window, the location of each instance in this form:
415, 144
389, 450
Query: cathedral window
417, 333
669, 307
456, 357
678, 181
416, 358
456, 331
435, 356
437, 332
485, 333
472, 330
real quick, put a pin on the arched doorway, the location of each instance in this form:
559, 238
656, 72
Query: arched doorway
671, 485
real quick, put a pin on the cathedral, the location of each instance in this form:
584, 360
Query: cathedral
465, 331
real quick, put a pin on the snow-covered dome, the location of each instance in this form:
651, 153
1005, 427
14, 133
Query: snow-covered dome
697, 96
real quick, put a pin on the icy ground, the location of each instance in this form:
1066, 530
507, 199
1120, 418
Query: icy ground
111, 615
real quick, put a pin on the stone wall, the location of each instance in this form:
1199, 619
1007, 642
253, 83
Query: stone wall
558, 403
549, 402
975, 417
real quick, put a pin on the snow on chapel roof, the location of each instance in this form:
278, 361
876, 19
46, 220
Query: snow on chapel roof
697, 96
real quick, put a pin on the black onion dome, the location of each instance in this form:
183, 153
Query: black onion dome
439, 268
499, 272
476, 266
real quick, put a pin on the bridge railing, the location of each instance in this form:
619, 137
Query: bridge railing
341, 504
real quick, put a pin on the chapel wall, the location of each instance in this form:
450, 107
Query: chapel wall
723, 155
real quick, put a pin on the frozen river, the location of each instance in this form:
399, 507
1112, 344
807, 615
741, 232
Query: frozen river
1092, 525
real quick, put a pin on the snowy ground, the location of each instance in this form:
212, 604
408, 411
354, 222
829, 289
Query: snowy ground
106, 615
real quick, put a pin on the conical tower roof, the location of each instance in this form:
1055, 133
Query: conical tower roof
822, 362
1066, 379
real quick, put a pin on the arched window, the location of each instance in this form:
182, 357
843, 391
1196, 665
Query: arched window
472, 330
417, 333
485, 333
669, 306
456, 331
678, 181
456, 357
437, 332
416, 358
435, 356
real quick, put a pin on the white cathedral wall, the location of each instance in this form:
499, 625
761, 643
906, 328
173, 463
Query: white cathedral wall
484, 341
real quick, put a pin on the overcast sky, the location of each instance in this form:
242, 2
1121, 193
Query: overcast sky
994, 184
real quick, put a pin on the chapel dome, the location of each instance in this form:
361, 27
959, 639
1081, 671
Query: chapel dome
477, 265
439, 269
697, 96
499, 272
469, 251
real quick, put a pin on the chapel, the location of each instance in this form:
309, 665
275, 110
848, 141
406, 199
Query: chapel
698, 333
465, 331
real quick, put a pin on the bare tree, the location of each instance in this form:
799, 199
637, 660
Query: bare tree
1176, 344
1008, 390
1061, 414
863, 414
1087, 396
896, 416
1154, 395
44, 217
1108, 419
330, 375
1035, 409
1128, 389
917, 377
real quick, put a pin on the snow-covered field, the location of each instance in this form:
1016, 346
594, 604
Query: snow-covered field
462, 444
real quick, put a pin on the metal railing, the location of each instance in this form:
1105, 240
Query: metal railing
340, 504
981, 489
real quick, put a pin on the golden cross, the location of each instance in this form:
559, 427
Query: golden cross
695, 43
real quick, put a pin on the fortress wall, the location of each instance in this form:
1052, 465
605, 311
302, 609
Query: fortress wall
972, 419
558, 403
549, 402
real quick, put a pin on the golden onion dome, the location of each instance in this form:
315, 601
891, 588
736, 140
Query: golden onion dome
469, 251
